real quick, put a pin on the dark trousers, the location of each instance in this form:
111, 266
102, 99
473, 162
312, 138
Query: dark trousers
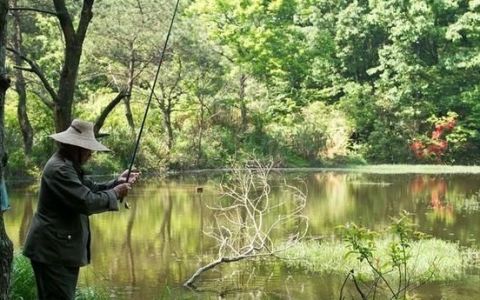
55, 282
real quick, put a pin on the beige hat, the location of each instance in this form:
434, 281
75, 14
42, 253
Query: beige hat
80, 133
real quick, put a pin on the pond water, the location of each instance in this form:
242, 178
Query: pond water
147, 252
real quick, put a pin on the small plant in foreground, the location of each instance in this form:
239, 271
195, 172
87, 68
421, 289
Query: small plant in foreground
23, 282
361, 242
90, 293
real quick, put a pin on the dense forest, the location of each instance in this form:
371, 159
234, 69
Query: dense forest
305, 82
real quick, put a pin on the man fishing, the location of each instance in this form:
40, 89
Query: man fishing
58, 241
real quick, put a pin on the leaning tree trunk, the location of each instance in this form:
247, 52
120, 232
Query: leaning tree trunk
20, 86
6, 247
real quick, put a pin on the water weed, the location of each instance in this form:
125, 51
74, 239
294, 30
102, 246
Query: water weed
391, 263
449, 259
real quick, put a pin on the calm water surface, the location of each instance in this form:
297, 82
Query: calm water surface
147, 252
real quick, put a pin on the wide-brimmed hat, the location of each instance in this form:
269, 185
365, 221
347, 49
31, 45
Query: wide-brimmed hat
80, 133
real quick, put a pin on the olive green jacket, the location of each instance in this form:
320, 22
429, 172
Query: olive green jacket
60, 230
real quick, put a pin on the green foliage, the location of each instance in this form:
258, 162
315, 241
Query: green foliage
390, 263
310, 82
318, 132
387, 144
361, 242
42, 123
23, 282
44, 46
327, 257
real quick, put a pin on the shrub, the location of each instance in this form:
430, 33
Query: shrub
23, 282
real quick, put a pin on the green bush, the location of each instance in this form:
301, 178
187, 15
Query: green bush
23, 282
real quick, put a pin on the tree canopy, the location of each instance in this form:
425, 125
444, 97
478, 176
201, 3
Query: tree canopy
307, 82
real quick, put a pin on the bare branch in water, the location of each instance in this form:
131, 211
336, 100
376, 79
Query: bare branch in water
246, 218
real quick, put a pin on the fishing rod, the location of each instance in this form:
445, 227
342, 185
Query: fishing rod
127, 206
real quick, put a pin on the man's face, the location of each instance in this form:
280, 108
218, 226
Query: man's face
85, 155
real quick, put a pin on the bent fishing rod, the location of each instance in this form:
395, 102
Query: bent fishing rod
127, 205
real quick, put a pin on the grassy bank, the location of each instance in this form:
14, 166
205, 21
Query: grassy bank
399, 169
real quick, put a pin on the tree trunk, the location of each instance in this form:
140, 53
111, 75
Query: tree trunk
126, 101
66, 90
243, 105
20, 86
6, 258
63, 98
6, 246
73, 52
167, 123
201, 122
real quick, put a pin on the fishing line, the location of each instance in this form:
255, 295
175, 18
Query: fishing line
127, 206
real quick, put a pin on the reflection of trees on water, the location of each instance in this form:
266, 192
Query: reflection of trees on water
436, 189
334, 198
26, 219
128, 244
337, 198
333, 190
199, 204
446, 198
259, 280
166, 226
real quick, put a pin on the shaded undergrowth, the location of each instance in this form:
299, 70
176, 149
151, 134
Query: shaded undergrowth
23, 283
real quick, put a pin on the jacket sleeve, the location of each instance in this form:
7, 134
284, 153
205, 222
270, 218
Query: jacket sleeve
96, 187
66, 186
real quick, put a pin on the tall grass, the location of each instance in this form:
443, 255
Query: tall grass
91, 293
23, 282
431, 260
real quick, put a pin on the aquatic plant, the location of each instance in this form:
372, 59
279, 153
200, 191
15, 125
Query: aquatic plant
392, 262
326, 257
91, 293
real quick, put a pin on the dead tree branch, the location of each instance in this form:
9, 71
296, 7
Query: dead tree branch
43, 11
34, 68
246, 218
106, 111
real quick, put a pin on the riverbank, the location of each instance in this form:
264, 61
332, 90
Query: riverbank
367, 169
